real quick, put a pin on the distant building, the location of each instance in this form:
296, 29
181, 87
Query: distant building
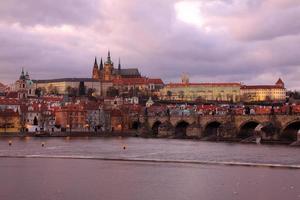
108, 72
71, 117
71, 85
24, 86
9, 121
277, 92
186, 91
2, 89
144, 85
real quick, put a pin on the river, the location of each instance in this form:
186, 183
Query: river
138, 168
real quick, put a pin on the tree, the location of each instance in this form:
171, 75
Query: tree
72, 92
200, 99
181, 94
81, 88
38, 92
134, 92
169, 94
90, 92
268, 99
53, 90
112, 92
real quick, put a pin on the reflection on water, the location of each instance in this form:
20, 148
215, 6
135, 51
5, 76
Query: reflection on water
75, 179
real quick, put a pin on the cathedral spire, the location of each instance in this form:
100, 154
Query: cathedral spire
101, 65
22, 76
96, 63
119, 65
108, 58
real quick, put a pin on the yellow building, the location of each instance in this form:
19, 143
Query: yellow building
62, 86
275, 92
9, 121
186, 91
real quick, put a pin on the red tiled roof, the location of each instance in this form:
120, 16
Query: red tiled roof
202, 84
12, 95
261, 87
9, 101
52, 98
279, 82
137, 81
155, 81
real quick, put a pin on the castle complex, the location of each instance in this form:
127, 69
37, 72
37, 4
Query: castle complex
106, 80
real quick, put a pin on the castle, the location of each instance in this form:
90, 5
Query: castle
107, 72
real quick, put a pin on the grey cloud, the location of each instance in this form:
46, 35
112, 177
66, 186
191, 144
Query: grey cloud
49, 12
146, 34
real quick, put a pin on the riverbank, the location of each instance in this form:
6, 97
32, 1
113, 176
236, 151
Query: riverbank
136, 134
70, 134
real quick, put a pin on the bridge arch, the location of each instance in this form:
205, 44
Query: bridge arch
155, 127
290, 130
180, 128
212, 128
246, 129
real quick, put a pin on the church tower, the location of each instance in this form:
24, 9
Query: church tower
108, 69
96, 74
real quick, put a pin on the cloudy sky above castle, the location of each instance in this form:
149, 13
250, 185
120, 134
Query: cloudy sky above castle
249, 41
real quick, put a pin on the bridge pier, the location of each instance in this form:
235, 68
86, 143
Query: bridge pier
194, 131
166, 129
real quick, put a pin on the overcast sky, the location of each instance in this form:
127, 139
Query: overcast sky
249, 41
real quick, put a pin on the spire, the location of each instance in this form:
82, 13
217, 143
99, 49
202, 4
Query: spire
119, 65
108, 58
22, 76
96, 64
280, 83
101, 65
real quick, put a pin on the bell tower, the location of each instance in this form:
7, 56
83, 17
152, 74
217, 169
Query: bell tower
108, 68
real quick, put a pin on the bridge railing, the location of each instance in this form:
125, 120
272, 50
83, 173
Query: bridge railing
188, 114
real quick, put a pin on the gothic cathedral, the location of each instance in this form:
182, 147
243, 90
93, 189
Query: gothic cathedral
109, 73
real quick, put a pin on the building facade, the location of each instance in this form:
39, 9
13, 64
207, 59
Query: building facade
9, 121
24, 86
186, 91
132, 86
71, 85
256, 93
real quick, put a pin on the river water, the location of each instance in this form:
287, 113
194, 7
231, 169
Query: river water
137, 168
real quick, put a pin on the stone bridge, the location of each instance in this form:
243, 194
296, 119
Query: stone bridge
273, 127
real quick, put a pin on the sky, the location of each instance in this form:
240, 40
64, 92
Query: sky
248, 41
